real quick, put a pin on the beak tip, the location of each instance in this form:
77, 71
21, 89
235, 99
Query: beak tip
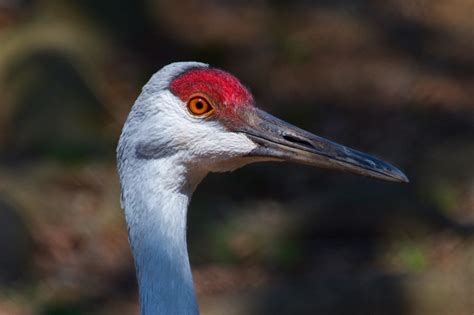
406, 180
400, 177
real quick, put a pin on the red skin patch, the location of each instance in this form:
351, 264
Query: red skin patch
224, 91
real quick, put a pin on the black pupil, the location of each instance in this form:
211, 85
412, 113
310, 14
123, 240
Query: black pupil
199, 105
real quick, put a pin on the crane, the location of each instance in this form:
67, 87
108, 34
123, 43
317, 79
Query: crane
191, 119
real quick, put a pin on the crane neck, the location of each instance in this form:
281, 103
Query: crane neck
155, 196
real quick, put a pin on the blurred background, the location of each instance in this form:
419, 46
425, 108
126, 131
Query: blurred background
394, 78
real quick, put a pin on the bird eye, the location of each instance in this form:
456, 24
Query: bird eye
199, 106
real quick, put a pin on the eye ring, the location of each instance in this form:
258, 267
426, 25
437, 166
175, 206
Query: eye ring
200, 106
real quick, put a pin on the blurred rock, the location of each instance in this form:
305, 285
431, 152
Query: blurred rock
15, 245
55, 114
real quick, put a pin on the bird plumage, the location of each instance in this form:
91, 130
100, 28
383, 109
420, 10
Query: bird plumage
166, 149
163, 153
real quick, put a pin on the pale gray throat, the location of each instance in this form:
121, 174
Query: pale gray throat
156, 218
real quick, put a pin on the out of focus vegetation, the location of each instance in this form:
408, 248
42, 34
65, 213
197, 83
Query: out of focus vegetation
394, 78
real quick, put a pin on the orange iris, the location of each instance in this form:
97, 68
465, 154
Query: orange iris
199, 106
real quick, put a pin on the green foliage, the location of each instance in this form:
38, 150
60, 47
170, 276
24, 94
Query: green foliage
412, 257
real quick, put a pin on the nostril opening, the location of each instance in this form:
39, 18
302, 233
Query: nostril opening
298, 141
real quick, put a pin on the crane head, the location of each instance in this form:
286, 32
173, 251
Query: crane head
206, 118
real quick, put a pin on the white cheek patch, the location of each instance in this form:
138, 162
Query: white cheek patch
173, 129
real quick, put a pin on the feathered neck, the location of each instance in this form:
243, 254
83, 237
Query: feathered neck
155, 197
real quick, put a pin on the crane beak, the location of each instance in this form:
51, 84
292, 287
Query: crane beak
277, 139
